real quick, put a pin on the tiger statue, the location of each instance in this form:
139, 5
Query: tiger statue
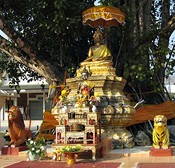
160, 132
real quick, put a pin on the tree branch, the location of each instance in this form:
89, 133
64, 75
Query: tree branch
25, 54
169, 27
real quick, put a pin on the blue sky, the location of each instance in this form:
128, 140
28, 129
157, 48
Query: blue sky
172, 39
96, 3
3, 34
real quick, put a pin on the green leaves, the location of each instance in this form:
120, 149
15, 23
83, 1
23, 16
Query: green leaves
52, 28
55, 31
36, 146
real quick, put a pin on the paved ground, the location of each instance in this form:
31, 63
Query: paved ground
9, 159
128, 157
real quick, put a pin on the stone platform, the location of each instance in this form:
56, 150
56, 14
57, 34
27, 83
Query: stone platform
143, 151
13, 150
161, 152
135, 151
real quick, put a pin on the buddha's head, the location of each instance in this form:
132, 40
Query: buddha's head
98, 36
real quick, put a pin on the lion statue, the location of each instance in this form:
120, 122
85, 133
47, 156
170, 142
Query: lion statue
17, 131
160, 132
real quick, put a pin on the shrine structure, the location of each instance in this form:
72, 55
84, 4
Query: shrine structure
93, 110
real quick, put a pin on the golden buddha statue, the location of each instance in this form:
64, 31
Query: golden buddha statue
99, 58
99, 51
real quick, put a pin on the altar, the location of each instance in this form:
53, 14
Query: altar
92, 108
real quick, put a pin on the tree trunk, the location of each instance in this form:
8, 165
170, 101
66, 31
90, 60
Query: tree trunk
164, 40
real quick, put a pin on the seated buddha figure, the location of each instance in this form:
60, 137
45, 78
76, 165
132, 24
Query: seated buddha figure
99, 56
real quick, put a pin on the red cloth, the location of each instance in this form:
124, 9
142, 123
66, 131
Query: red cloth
156, 165
54, 164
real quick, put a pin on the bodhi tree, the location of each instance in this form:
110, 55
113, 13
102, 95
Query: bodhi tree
47, 37
43, 35
145, 56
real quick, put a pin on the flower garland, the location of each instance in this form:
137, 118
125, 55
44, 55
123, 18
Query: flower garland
75, 148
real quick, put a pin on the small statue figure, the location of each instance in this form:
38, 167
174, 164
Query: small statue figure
160, 132
85, 74
57, 155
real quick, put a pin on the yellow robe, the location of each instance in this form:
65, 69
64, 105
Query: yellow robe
101, 51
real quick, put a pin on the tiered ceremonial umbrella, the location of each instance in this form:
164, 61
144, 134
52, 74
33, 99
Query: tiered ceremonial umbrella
104, 16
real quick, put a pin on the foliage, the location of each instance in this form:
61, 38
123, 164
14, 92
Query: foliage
16, 71
38, 22
36, 146
144, 64
148, 59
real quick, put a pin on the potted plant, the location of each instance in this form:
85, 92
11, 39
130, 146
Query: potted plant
71, 152
36, 148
